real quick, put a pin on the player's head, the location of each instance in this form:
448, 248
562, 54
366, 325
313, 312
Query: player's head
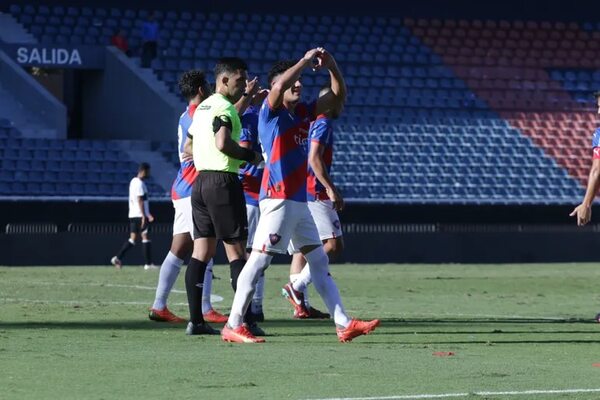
144, 170
194, 86
294, 93
335, 111
597, 96
231, 74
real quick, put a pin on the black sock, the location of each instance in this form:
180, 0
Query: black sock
194, 282
147, 246
235, 268
125, 248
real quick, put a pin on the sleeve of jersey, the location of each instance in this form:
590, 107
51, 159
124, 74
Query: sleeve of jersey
596, 144
138, 188
318, 133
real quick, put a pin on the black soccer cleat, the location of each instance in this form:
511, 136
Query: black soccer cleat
201, 329
255, 329
598, 318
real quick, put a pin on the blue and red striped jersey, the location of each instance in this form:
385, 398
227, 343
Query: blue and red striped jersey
321, 132
284, 138
251, 175
182, 186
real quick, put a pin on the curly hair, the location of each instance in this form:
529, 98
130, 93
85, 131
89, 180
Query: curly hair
190, 82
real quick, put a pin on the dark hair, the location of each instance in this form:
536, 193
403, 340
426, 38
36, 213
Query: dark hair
324, 90
597, 94
229, 65
190, 82
144, 167
279, 68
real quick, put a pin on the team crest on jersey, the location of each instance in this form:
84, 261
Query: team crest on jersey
336, 223
274, 238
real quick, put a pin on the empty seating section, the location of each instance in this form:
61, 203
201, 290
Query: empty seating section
47, 167
539, 76
449, 163
464, 111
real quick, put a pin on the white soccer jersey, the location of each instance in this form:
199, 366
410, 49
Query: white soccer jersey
137, 188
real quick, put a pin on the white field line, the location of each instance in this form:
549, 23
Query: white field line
114, 285
459, 395
80, 302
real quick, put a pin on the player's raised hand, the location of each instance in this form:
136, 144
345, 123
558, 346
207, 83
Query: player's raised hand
252, 87
336, 198
260, 97
327, 60
312, 57
583, 214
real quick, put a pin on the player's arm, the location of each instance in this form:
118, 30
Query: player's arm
317, 163
583, 212
289, 77
338, 92
226, 145
188, 148
244, 102
140, 200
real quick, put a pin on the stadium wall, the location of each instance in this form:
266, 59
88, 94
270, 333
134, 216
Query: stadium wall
373, 234
32, 95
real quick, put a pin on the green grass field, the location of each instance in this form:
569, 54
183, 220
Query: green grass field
83, 333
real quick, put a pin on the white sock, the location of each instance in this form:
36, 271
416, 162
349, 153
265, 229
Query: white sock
169, 271
207, 288
300, 283
318, 262
259, 292
246, 284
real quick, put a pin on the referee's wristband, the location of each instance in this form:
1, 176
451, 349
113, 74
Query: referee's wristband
247, 155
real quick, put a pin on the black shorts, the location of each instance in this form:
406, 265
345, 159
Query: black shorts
135, 225
219, 207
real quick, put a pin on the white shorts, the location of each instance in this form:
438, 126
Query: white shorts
253, 213
284, 222
183, 222
326, 219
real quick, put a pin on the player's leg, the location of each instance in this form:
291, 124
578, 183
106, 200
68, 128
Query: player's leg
256, 307
330, 233
272, 235
304, 238
147, 247
205, 244
208, 311
181, 248
134, 228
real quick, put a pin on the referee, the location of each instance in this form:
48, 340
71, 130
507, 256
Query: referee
218, 203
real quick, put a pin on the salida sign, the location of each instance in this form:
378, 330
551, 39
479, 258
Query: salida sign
85, 57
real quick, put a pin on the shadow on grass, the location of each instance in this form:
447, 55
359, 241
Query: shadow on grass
408, 328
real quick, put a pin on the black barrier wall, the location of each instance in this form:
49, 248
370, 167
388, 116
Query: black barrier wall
89, 233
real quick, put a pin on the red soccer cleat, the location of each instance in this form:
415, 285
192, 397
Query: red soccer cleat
356, 328
214, 317
296, 299
164, 316
241, 334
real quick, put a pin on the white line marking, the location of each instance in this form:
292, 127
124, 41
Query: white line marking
457, 395
214, 298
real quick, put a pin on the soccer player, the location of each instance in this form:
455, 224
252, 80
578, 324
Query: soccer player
321, 191
583, 212
283, 129
139, 218
195, 88
251, 177
218, 204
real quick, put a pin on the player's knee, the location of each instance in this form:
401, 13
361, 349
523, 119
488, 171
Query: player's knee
318, 260
334, 248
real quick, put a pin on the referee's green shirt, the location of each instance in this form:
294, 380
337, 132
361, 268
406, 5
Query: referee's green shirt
206, 155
